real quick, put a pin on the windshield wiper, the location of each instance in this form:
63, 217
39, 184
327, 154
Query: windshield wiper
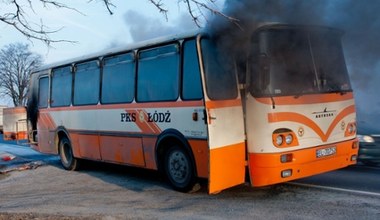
303, 92
273, 103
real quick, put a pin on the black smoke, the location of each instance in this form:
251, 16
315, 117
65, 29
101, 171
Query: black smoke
359, 20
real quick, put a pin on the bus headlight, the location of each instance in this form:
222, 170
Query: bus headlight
350, 129
279, 140
284, 138
288, 139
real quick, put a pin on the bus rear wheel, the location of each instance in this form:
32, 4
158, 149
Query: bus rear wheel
179, 169
68, 161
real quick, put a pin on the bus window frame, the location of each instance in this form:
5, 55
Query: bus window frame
134, 61
51, 85
179, 52
75, 68
182, 68
47, 94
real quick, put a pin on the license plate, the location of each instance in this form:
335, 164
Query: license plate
324, 152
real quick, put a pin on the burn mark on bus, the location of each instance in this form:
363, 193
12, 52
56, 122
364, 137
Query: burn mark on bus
32, 110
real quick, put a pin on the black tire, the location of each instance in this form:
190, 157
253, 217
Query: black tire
68, 161
179, 169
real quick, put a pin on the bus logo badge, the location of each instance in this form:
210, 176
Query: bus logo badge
342, 125
141, 116
325, 113
301, 131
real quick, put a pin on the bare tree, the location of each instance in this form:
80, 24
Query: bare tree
18, 16
16, 64
196, 9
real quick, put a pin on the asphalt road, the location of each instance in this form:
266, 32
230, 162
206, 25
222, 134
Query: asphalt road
358, 178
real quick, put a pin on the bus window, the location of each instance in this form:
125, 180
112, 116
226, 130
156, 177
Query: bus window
61, 88
43, 91
86, 83
220, 75
191, 84
118, 83
158, 74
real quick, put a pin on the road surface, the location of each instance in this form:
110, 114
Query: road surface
101, 191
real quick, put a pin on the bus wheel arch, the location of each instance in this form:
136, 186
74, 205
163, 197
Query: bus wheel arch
60, 133
175, 160
65, 152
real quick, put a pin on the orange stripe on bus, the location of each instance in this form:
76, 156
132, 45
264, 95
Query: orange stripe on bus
140, 122
306, 99
152, 125
223, 103
143, 123
46, 122
10, 136
15, 110
298, 118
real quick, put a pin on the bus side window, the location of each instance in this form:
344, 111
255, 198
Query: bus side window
87, 83
191, 78
61, 88
158, 74
118, 83
43, 92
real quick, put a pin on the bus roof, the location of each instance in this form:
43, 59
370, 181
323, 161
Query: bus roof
120, 49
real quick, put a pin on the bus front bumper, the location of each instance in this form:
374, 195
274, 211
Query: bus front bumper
268, 169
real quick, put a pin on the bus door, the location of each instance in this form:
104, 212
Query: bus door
225, 121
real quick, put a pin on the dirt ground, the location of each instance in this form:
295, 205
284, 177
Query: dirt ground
101, 191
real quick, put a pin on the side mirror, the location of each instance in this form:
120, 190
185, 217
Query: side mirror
264, 68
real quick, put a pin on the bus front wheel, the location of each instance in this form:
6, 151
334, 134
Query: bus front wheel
68, 161
179, 169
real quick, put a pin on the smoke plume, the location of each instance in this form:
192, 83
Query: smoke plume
145, 28
358, 19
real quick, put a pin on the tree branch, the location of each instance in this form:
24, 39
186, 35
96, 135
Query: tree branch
17, 17
160, 6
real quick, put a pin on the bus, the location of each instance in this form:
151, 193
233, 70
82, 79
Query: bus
278, 109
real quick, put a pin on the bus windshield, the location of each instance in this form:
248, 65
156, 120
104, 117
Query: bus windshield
297, 61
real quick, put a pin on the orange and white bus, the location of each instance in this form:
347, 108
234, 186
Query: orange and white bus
183, 106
